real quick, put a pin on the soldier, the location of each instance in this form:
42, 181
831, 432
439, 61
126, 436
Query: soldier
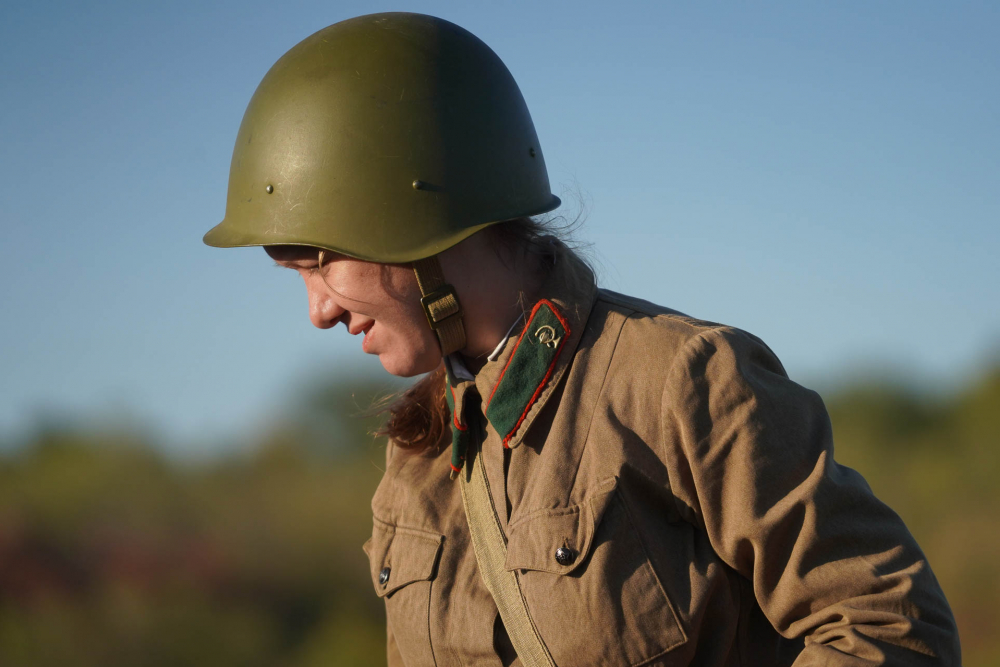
582, 477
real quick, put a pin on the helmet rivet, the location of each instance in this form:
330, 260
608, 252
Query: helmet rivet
531, 152
269, 189
418, 185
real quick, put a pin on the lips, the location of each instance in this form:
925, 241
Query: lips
355, 330
366, 343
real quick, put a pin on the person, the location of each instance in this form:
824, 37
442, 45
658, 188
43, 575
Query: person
580, 477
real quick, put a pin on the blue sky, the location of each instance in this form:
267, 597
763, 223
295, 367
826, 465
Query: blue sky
824, 175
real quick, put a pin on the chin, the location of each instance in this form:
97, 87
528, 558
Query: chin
410, 365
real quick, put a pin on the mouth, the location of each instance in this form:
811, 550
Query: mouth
366, 343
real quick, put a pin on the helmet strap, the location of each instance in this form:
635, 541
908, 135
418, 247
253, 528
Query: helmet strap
440, 304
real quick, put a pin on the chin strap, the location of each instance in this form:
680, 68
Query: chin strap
440, 304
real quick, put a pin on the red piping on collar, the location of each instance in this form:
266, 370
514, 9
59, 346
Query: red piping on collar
510, 358
458, 424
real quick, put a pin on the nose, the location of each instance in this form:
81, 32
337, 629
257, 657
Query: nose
324, 311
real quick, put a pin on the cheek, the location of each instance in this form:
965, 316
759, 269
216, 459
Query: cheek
410, 345
405, 343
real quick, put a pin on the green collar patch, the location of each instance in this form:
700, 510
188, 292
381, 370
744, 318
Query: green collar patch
521, 382
528, 370
460, 434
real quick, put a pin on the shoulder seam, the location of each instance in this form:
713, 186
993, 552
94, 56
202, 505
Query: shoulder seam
621, 304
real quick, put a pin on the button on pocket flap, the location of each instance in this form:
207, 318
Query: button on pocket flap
558, 540
399, 556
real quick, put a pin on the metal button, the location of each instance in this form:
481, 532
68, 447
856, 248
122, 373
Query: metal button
383, 576
269, 189
565, 556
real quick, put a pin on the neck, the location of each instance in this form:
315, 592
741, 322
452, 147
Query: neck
493, 293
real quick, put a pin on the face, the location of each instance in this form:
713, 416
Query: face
379, 302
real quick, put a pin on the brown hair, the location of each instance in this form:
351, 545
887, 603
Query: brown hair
419, 418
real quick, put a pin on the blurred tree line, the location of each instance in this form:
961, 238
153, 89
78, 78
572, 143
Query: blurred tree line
112, 554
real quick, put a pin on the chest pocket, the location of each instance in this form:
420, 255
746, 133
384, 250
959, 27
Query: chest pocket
589, 586
403, 566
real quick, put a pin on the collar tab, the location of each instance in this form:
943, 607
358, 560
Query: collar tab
520, 379
460, 434
528, 369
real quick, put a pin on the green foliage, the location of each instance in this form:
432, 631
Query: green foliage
112, 555
937, 464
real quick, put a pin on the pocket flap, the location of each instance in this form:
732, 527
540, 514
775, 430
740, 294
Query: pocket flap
558, 540
399, 556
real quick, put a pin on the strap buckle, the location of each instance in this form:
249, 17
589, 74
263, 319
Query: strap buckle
437, 312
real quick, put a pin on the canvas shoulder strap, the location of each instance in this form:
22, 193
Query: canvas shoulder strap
440, 303
491, 554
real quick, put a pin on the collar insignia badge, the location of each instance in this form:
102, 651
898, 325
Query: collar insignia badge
546, 335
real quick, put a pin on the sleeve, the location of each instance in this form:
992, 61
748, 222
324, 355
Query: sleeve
752, 465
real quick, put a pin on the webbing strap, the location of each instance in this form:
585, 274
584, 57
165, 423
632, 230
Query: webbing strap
440, 303
491, 554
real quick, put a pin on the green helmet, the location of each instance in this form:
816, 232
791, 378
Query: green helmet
387, 137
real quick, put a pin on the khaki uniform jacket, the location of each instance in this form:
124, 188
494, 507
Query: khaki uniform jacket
694, 487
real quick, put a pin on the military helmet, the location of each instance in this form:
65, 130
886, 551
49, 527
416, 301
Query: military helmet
387, 137
390, 138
